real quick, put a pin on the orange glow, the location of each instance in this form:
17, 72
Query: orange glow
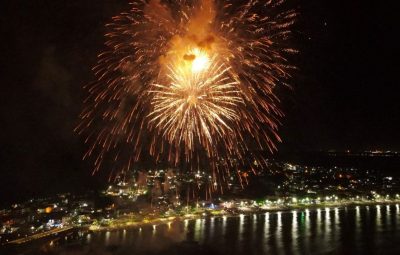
190, 82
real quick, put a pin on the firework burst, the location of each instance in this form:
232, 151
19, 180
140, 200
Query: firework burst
190, 81
199, 101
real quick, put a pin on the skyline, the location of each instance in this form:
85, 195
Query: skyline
345, 64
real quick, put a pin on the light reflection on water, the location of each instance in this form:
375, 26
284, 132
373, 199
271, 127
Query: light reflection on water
294, 229
352, 230
266, 228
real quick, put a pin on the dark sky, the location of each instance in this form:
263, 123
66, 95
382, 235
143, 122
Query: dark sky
344, 94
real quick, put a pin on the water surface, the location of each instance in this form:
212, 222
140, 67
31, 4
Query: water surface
350, 230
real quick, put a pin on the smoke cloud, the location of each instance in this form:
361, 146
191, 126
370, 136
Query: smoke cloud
198, 29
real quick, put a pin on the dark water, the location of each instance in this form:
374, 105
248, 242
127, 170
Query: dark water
352, 230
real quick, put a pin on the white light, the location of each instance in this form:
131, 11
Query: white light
200, 62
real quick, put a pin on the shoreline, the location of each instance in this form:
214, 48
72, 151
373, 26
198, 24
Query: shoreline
204, 214
222, 213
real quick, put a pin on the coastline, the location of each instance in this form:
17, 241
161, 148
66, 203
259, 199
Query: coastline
203, 213
222, 213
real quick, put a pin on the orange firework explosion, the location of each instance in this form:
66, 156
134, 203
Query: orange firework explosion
198, 102
188, 82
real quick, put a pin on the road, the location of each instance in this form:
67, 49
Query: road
40, 235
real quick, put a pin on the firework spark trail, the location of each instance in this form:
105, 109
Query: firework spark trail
191, 81
195, 104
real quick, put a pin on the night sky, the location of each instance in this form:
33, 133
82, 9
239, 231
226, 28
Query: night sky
343, 97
